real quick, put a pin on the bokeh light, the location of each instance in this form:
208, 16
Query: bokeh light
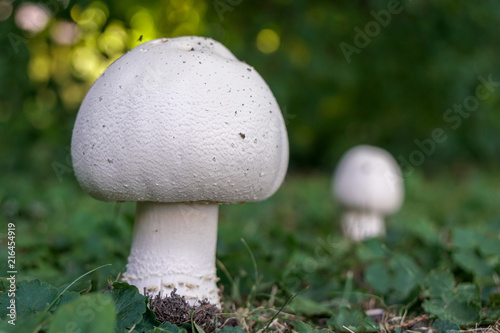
268, 41
60, 65
64, 32
5, 10
92, 18
39, 68
32, 17
87, 63
113, 41
142, 23
71, 94
184, 17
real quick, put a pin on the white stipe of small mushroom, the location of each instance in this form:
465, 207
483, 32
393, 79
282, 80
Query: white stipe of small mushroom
360, 225
369, 184
179, 121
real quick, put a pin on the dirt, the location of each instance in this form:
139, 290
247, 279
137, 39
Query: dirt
175, 310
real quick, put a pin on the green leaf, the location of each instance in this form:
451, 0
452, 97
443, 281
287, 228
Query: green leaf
130, 305
148, 321
4, 284
468, 293
23, 325
470, 239
351, 319
397, 278
169, 328
89, 313
458, 305
462, 313
302, 327
63, 291
230, 329
377, 277
407, 275
471, 262
491, 314
445, 326
34, 297
435, 307
455, 311
425, 229
439, 283
466, 238
198, 328
490, 246
308, 307
163, 330
4, 302
371, 250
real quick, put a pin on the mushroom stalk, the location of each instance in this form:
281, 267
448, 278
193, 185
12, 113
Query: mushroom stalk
174, 247
359, 225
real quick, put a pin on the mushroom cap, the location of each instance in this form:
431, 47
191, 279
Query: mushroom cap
180, 120
368, 178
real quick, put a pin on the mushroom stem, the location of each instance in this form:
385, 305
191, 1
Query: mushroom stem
359, 225
174, 247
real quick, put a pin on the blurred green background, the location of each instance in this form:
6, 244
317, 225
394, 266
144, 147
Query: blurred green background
340, 76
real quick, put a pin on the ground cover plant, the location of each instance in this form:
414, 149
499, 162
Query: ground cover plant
283, 263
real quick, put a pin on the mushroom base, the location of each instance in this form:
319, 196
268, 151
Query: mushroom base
174, 248
358, 225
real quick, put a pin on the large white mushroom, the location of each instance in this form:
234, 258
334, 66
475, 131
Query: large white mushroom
179, 125
369, 184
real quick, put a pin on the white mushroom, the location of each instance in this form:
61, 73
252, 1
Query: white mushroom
179, 125
369, 184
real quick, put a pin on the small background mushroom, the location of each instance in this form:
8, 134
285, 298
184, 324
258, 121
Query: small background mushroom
368, 182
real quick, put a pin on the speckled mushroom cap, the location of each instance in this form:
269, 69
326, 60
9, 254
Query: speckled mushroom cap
180, 120
368, 178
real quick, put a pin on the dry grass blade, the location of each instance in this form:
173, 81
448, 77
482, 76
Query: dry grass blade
408, 323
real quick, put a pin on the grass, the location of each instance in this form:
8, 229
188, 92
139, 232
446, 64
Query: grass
284, 261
